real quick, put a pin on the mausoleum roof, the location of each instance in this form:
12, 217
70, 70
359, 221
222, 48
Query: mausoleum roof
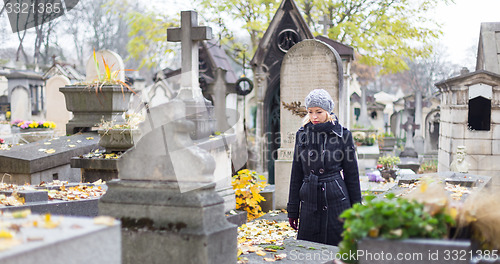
342, 49
494, 79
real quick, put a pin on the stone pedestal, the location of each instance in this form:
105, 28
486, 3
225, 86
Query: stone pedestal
163, 225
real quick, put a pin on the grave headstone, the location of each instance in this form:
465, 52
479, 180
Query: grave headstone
165, 197
56, 104
113, 60
308, 65
20, 103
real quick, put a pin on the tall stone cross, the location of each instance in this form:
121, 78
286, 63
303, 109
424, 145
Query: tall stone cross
325, 21
189, 34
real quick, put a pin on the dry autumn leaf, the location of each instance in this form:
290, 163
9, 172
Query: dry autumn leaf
260, 253
280, 256
104, 220
269, 259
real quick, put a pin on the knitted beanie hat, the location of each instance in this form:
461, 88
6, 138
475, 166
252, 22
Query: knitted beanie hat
320, 98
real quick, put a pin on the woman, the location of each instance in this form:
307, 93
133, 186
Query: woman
325, 179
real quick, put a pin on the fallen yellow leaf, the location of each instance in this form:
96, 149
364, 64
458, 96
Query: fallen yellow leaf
50, 151
260, 253
269, 259
5, 234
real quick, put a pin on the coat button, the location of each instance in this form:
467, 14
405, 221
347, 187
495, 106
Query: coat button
323, 189
312, 171
321, 171
325, 207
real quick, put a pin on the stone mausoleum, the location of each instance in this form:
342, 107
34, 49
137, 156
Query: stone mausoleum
470, 110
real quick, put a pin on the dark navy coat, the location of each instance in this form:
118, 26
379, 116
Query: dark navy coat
318, 192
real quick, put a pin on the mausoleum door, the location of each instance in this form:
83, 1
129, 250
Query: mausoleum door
272, 131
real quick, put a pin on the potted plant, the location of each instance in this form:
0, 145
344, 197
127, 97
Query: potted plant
106, 98
388, 166
119, 137
386, 141
392, 219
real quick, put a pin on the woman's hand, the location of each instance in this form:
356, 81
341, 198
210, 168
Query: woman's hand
293, 222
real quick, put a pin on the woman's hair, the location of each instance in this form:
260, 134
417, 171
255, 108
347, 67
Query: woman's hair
331, 117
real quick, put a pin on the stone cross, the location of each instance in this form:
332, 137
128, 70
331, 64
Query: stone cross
326, 24
409, 127
189, 34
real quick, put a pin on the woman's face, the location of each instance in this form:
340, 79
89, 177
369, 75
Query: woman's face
317, 115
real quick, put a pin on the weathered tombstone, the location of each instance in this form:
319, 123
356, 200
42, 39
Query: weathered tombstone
169, 209
308, 65
20, 103
56, 104
113, 60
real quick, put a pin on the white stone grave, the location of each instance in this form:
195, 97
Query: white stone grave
20, 104
56, 104
114, 61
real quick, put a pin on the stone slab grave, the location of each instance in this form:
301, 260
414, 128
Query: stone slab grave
73, 240
45, 160
308, 65
37, 200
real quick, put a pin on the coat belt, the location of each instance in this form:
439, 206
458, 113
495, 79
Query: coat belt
314, 182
